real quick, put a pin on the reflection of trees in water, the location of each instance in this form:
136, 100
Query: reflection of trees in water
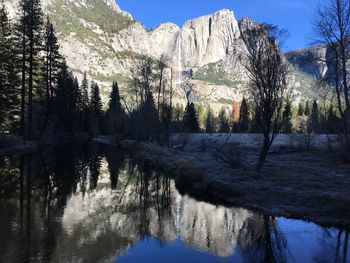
94, 165
115, 160
8, 176
153, 192
42, 182
144, 203
124, 201
267, 245
334, 246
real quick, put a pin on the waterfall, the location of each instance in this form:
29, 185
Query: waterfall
184, 74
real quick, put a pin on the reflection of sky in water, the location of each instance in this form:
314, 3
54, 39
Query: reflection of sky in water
151, 250
306, 242
128, 223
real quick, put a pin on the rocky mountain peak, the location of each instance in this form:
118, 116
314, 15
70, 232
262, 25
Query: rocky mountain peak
99, 38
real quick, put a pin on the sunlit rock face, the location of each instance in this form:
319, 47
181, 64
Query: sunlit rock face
316, 61
99, 38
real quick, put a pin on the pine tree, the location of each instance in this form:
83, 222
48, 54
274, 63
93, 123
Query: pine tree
95, 110
84, 106
300, 109
95, 99
34, 31
243, 122
85, 93
224, 121
29, 31
287, 118
65, 109
307, 108
314, 118
209, 122
52, 63
333, 121
114, 101
8, 93
114, 119
190, 119
53, 59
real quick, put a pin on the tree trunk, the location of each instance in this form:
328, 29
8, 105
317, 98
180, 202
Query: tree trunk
30, 90
23, 89
264, 151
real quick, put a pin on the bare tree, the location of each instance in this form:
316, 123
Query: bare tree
267, 71
332, 27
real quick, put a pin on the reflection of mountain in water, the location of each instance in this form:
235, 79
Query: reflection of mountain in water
90, 206
136, 209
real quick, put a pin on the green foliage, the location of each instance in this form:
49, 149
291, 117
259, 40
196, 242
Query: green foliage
209, 122
8, 78
66, 101
307, 108
190, 120
224, 121
95, 99
128, 54
97, 12
85, 93
287, 118
53, 59
114, 100
226, 101
313, 122
213, 73
300, 109
243, 122
201, 114
114, 118
334, 124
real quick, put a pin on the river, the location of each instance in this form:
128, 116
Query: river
88, 203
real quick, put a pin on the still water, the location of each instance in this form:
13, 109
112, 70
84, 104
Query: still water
93, 204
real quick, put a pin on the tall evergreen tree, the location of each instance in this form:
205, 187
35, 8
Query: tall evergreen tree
85, 93
8, 94
224, 121
84, 105
52, 64
114, 100
190, 119
95, 112
53, 59
287, 118
307, 110
95, 99
66, 110
243, 122
30, 32
314, 118
333, 121
114, 119
209, 122
34, 31
300, 109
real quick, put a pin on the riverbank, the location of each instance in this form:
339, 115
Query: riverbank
294, 183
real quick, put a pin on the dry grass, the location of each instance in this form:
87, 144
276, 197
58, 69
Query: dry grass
294, 183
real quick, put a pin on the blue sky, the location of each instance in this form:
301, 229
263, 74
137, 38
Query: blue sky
294, 15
